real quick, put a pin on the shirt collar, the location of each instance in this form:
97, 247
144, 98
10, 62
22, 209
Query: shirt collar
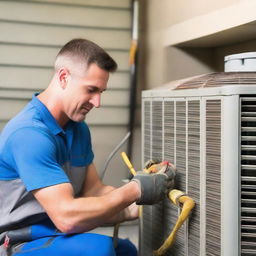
46, 116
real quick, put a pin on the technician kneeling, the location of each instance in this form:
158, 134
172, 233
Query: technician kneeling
50, 193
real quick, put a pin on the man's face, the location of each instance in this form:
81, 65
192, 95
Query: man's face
83, 92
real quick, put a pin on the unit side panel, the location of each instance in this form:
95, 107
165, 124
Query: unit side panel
213, 177
181, 145
230, 187
146, 220
170, 213
147, 130
157, 124
170, 217
179, 245
193, 165
157, 149
169, 131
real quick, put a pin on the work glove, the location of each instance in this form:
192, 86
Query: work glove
162, 167
154, 182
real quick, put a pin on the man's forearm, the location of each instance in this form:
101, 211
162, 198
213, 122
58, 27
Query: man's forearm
85, 213
93, 186
105, 189
99, 191
129, 213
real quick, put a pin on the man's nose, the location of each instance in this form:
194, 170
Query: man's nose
95, 100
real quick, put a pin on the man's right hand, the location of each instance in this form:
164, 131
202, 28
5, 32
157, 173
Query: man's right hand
153, 187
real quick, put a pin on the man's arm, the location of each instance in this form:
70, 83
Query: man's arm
93, 186
76, 215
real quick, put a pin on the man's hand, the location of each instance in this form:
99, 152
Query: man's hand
153, 187
131, 212
155, 181
164, 167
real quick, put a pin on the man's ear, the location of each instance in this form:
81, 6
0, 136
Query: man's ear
63, 76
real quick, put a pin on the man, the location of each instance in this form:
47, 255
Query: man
50, 193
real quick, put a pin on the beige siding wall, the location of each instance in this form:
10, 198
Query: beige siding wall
176, 11
31, 33
231, 27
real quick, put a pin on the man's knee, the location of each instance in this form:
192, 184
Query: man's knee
93, 244
70, 245
126, 248
104, 246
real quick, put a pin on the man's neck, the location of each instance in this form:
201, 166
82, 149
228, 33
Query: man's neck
54, 106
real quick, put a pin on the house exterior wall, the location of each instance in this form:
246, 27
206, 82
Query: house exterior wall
166, 62
32, 32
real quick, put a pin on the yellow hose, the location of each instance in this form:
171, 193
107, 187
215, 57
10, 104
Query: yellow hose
177, 197
128, 163
116, 228
115, 234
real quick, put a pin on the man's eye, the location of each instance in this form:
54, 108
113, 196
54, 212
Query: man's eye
91, 90
94, 90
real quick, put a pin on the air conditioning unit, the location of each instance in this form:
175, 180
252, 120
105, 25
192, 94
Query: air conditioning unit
206, 126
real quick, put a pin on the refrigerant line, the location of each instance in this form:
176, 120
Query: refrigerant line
178, 198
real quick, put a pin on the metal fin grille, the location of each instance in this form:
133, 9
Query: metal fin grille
179, 144
169, 133
219, 79
170, 216
170, 213
194, 175
157, 149
248, 176
152, 222
213, 177
179, 245
146, 231
146, 221
157, 133
147, 129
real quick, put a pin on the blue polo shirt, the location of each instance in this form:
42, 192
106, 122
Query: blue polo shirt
35, 152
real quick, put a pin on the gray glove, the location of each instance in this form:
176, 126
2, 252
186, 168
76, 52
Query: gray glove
153, 187
154, 181
162, 167
168, 169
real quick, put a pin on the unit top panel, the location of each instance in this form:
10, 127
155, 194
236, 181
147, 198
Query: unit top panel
223, 83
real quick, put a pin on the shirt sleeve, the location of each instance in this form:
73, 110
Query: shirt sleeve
33, 155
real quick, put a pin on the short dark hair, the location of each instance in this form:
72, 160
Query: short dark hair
89, 52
